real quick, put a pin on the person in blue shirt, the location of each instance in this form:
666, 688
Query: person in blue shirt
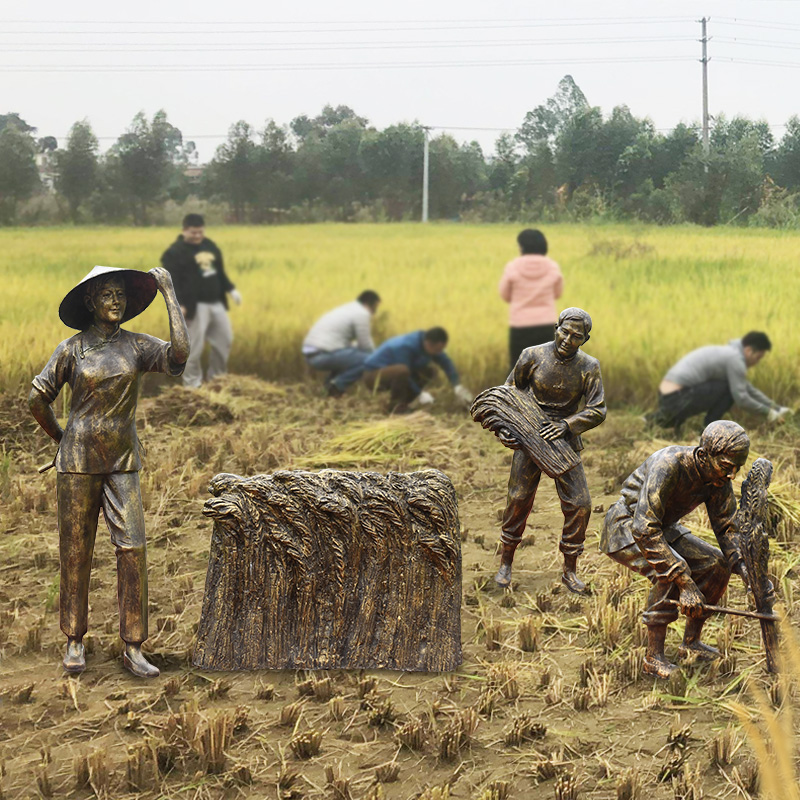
402, 365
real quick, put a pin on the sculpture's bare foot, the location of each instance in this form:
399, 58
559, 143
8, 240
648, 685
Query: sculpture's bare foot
135, 662
574, 583
503, 577
700, 651
74, 657
659, 667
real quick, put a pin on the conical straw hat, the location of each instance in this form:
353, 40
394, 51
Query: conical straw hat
140, 289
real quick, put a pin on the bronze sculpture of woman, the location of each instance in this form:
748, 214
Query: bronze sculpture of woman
98, 457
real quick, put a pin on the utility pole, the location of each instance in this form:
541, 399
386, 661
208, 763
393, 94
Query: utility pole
425, 175
704, 61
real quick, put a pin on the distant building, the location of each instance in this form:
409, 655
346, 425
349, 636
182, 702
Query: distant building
194, 173
46, 165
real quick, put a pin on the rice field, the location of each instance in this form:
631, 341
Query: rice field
654, 293
550, 700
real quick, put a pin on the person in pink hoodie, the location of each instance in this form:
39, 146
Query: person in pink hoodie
531, 284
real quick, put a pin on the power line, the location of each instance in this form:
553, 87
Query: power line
748, 21
765, 26
450, 27
759, 62
320, 46
327, 66
758, 43
539, 21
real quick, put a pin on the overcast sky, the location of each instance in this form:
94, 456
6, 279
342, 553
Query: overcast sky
209, 64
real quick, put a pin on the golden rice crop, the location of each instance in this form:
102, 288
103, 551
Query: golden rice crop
654, 293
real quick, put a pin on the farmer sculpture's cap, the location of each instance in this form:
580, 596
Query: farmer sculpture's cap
140, 289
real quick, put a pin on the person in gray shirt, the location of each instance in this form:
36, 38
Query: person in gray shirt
711, 379
340, 341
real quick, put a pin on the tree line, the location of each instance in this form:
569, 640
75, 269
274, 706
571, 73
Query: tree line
567, 160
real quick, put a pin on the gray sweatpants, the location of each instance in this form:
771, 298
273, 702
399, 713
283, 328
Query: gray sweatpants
209, 324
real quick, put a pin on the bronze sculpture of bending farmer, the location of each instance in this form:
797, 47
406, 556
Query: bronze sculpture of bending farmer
98, 457
560, 376
642, 530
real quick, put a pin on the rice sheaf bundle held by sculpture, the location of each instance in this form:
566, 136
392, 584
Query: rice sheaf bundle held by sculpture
752, 524
515, 411
332, 570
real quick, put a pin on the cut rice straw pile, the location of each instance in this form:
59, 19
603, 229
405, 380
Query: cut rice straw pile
416, 440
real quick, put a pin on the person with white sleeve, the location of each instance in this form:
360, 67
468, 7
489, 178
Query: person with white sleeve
711, 379
341, 340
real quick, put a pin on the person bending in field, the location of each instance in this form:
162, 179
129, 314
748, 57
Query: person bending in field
402, 365
198, 274
531, 284
340, 341
710, 380
642, 530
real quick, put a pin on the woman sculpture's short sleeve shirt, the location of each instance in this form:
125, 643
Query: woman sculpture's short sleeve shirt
104, 375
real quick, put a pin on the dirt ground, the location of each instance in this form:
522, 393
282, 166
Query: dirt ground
549, 701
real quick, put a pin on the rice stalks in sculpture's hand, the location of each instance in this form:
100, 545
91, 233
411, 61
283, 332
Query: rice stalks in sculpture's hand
752, 521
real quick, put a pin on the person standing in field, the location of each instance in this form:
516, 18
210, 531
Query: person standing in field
402, 365
198, 274
711, 379
531, 284
340, 341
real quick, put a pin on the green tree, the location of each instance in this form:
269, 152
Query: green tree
670, 151
328, 164
576, 151
275, 168
545, 123
326, 120
457, 173
145, 161
233, 173
19, 176
787, 157
504, 164
14, 120
77, 167
392, 163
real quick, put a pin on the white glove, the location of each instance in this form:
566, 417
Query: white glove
463, 394
424, 398
777, 414
236, 297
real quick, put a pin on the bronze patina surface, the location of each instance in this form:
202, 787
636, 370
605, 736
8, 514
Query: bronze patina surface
98, 455
511, 412
567, 388
642, 530
333, 569
753, 522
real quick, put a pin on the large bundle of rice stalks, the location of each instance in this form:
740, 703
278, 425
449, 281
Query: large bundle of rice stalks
332, 570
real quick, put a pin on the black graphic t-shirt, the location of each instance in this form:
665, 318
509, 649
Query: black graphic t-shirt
198, 273
209, 288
